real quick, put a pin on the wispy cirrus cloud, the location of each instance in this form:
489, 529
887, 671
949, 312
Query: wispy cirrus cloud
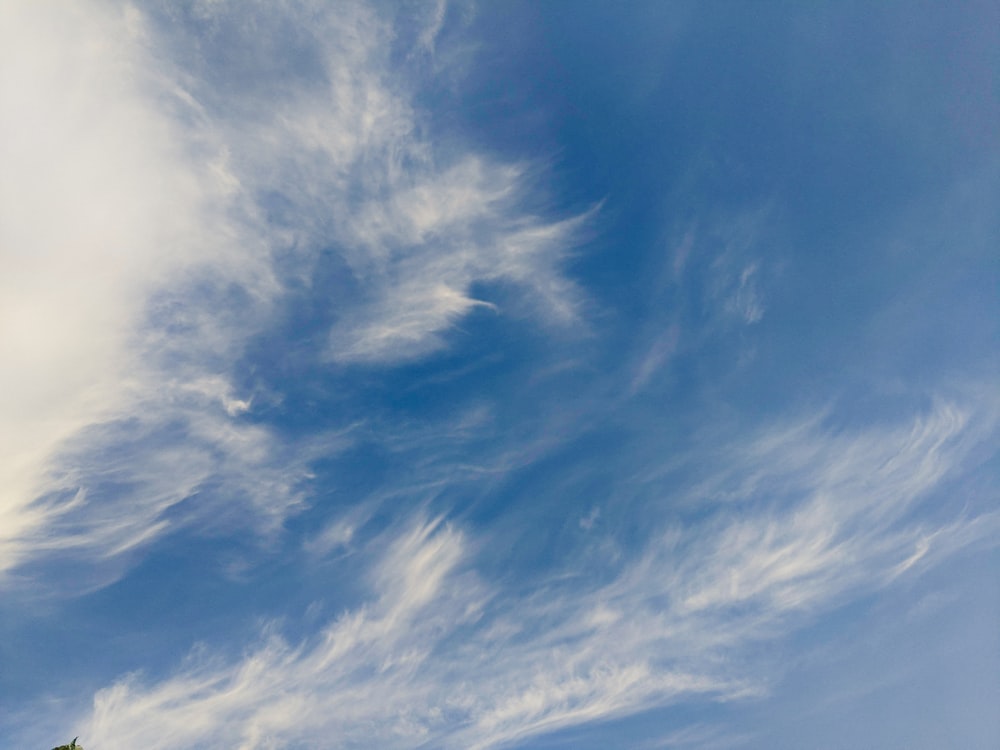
415, 665
168, 169
439, 655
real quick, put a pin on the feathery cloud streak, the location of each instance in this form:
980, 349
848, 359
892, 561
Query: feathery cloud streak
440, 656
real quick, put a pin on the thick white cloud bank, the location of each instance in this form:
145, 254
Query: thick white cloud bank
111, 217
88, 169
138, 255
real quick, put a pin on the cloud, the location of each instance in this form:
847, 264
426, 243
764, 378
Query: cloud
658, 355
168, 172
746, 300
420, 253
344, 161
736, 269
441, 656
416, 664
103, 206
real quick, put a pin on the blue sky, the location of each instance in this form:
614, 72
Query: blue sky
499, 375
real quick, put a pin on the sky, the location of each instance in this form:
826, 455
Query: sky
475, 375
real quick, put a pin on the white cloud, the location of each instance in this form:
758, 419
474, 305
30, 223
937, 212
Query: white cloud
419, 250
102, 206
156, 168
414, 665
441, 657
656, 357
735, 282
746, 300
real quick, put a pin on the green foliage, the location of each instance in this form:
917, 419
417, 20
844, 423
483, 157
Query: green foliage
70, 746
